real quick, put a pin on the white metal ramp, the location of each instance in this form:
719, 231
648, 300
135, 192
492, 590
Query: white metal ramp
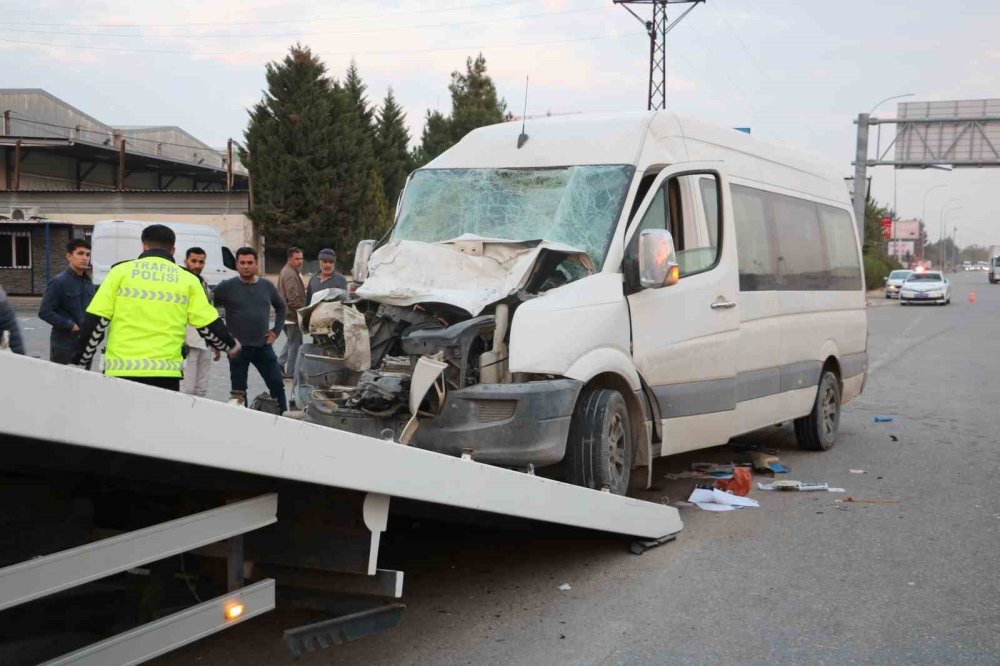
64, 404
87, 412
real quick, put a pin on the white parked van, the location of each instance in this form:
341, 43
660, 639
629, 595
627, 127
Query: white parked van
114, 241
617, 288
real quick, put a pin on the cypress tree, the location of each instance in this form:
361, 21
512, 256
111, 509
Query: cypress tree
392, 140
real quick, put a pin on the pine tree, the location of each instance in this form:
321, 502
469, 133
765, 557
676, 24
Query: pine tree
311, 160
359, 206
287, 150
474, 103
474, 100
436, 138
392, 141
356, 89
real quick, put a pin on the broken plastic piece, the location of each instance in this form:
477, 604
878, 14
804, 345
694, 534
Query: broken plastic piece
739, 484
565, 587
799, 486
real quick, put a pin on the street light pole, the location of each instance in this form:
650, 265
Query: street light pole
861, 165
941, 228
923, 216
944, 227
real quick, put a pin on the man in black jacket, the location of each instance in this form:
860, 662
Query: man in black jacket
66, 300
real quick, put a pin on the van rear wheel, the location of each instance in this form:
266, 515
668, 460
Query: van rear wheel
818, 430
599, 449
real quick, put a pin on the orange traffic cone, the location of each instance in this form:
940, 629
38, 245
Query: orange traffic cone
972, 297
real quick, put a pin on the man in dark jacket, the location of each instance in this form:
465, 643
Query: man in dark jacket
66, 300
8, 325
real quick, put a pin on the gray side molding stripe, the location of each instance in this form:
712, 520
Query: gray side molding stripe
757, 384
800, 375
714, 395
853, 365
720, 395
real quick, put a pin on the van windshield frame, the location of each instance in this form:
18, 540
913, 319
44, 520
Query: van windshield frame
579, 206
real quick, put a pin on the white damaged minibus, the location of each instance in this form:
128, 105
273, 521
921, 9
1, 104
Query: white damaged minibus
610, 289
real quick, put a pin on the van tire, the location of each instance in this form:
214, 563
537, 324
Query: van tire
599, 449
818, 430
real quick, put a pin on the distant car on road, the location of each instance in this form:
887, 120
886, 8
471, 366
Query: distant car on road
925, 287
895, 281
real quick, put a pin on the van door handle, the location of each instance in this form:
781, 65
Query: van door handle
721, 304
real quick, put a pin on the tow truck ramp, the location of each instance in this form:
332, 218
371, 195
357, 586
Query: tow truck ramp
154, 474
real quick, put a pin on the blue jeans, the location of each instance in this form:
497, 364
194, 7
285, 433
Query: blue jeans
266, 362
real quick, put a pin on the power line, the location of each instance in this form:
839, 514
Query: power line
232, 35
487, 5
473, 47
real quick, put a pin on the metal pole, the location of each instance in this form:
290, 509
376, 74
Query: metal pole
17, 166
229, 166
48, 255
923, 216
652, 50
121, 165
860, 175
6, 123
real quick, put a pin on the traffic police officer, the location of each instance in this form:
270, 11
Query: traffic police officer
145, 305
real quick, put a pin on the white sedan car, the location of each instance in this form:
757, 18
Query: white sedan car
895, 281
925, 287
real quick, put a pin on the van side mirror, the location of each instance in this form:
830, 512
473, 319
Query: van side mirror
657, 259
359, 273
885, 280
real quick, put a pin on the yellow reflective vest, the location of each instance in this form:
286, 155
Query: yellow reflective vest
149, 302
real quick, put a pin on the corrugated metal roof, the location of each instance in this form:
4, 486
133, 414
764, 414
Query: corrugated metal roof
114, 191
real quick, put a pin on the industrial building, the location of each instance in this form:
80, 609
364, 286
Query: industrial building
63, 170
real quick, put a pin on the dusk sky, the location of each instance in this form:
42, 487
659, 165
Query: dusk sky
795, 71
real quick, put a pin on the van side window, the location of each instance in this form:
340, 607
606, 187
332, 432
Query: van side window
757, 260
228, 260
790, 244
841, 248
802, 262
687, 207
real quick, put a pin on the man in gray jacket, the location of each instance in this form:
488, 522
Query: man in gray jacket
291, 289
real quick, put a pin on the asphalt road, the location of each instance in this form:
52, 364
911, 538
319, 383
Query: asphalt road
801, 580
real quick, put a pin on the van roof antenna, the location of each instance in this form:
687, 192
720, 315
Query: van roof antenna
523, 138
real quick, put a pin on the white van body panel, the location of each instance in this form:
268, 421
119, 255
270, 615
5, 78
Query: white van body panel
542, 338
114, 241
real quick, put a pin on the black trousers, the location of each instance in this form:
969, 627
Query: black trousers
168, 383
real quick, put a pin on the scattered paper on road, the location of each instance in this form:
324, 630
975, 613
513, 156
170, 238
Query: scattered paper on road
718, 500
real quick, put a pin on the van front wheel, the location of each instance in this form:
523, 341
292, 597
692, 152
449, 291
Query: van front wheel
599, 449
818, 430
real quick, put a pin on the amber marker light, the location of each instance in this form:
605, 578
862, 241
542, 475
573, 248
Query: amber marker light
234, 611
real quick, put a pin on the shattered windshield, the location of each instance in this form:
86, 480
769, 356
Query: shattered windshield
577, 205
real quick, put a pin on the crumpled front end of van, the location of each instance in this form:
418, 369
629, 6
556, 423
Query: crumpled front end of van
420, 353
